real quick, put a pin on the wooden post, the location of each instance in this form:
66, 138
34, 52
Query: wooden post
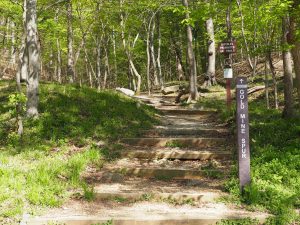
228, 92
243, 131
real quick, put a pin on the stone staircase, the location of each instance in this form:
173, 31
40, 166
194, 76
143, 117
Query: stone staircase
173, 174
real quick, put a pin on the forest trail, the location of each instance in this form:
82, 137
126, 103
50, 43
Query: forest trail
172, 174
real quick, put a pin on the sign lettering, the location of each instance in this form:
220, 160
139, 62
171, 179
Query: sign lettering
228, 47
243, 131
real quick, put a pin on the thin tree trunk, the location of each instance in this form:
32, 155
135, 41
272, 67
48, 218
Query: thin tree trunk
98, 63
148, 62
70, 66
19, 75
58, 49
288, 71
254, 39
267, 84
194, 95
160, 76
211, 69
295, 52
239, 3
274, 79
115, 58
128, 53
58, 75
50, 72
86, 60
13, 43
34, 64
179, 69
107, 66
178, 54
152, 52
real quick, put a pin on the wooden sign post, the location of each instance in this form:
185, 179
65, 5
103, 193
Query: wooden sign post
227, 48
243, 131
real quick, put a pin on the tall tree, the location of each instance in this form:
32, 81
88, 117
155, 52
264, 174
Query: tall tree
71, 68
194, 95
288, 70
34, 63
293, 40
211, 68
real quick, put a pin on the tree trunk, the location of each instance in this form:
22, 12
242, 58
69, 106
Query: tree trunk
239, 3
13, 43
288, 71
179, 69
295, 52
274, 79
194, 95
152, 52
58, 60
128, 53
148, 62
107, 66
115, 58
70, 66
267, 84
160, 77
98, 63
58, 75
211, 69
34, 64
178, 54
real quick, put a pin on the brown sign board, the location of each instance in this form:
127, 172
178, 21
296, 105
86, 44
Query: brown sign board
243, 131
228, 47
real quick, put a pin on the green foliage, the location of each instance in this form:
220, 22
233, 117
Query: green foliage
247, 221
58, 146
146, 197
175, 144
275, 165
174, 201
109, 222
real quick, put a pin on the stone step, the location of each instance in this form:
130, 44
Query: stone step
186, 131
176, 154
85, 220
176, 142
155, 101
150, 190
180, 111
166, 173
143, 214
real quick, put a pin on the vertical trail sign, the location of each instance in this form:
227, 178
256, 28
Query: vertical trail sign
243, 131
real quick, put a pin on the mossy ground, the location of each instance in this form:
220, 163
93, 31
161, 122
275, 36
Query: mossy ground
41, 169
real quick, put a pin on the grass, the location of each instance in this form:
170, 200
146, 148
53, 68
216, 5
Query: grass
41, 169
247, 221
211, 171
275, 161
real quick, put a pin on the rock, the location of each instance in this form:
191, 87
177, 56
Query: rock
126, 91
112, 177
171, 89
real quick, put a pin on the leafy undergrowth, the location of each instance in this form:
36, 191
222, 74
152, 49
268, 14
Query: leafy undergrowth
275, 164
42, 168
275, 161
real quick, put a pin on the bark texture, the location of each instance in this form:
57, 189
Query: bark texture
70, 65
194, 95
34, 63
288, 71
210, 78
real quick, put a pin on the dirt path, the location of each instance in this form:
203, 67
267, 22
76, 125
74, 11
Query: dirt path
173, 174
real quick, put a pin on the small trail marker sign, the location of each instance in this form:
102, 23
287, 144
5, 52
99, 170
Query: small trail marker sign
243, 131
228, 47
